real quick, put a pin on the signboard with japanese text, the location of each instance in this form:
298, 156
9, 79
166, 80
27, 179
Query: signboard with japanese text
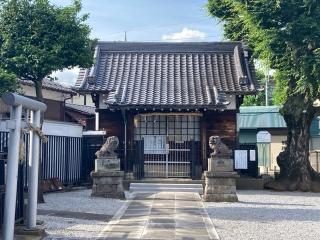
154, 144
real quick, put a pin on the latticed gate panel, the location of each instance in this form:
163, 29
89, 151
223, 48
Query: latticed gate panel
167, 141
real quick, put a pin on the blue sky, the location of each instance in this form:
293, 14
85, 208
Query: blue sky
146, 20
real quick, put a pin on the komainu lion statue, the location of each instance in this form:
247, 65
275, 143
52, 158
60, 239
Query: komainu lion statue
218, 147
108, 148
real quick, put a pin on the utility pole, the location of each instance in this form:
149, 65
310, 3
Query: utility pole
266, 87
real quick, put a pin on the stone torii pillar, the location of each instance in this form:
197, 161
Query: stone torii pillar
18, 103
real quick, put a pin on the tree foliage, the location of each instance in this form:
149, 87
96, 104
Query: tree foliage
283, 33
259, 99
37, 38
279, 96
254, 100
8, 82
286, 35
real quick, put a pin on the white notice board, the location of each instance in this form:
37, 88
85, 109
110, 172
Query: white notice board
241, 159
154, 144
252, 155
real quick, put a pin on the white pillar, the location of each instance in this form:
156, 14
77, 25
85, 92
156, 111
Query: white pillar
12, 173
97, 121
33, 171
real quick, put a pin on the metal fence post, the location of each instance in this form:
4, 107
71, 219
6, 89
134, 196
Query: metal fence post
12, 172
317, 159
67, 160
33, 171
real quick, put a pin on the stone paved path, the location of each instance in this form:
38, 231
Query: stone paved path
163, 215
76, 215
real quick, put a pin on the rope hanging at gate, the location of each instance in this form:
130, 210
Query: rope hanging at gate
37, 130
21, 150
29, 127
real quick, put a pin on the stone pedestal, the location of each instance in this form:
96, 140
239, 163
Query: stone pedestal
129, 176
107, 178
108, 184
220, 180
109, 164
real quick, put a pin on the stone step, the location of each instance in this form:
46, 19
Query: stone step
166, 187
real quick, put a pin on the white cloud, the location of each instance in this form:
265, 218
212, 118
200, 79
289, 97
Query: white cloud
185, 35
67, 76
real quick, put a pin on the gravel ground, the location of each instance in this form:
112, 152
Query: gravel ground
267, 215
261, 215
76, 202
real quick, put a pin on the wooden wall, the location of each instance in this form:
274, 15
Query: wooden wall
55, 110
112, 123
222, 124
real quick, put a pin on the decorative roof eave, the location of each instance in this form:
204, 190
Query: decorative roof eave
221, 106
241, 55
215, 101
249, 92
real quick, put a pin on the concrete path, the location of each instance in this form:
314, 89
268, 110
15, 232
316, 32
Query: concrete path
163, 215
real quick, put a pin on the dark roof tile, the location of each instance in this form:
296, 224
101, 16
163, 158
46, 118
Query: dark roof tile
168, 74
87, 110
50, 85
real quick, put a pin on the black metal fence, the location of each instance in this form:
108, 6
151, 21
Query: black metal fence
137, 160
19, 215
3, 156
20, 194
2, 187
91, 144
61, 158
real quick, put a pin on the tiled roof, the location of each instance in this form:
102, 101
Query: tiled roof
168, 74
87, 110
261, 117
50, 85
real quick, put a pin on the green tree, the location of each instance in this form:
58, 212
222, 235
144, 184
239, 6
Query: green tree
254, 100
8, 82
279, 96
286, 35
259, 99
38, 38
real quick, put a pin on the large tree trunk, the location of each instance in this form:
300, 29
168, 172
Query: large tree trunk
38, 88
296, 172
